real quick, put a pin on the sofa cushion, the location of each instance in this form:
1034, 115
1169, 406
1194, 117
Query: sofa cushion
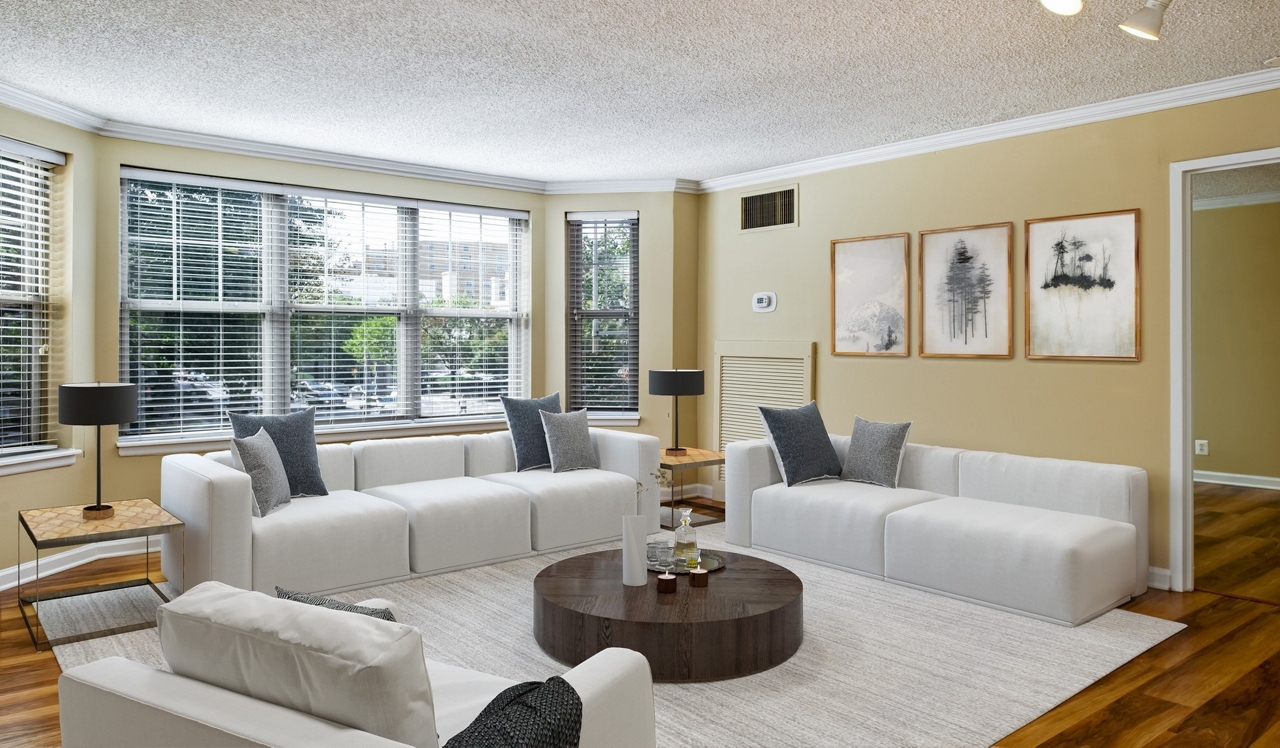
320, 543
875, 452
460, 696
381, 613
1058, 566
461, 521
257, 456
295, 438
832, 521
524, 421
388, 462
572, 508
569, 441
801, 444
353, 670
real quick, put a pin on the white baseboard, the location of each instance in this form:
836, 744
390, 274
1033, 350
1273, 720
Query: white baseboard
71, 559
1236, 479
691, 491
1158, 579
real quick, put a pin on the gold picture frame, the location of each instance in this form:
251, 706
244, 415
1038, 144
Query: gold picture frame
859, 285
948, 322
1060, 260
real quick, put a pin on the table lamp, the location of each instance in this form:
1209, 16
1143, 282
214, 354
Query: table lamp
96, 404
676, 382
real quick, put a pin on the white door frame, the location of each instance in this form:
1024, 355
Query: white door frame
1181, 481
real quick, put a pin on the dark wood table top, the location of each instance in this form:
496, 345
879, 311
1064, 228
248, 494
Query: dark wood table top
591, 584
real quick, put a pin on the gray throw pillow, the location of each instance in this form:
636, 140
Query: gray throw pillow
801, 444
875, 452
569, 441
328, 602
524, 421
257, 456
295, 439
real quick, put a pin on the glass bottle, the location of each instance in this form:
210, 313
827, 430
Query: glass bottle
686, 536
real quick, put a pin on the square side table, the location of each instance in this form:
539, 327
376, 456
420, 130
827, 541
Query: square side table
61, 526
693, 458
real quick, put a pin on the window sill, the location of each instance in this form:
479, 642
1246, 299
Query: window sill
28, 463
613, 419
356, 433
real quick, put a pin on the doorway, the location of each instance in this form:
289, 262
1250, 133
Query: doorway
1235, 272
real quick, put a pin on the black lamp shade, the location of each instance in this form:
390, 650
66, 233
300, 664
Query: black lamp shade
676, 382
97, 403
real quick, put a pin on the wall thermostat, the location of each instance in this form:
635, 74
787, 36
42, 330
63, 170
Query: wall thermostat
764, 301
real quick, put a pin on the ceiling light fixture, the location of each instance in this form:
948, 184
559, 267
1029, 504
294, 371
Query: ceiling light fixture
1145, 24
1063, 7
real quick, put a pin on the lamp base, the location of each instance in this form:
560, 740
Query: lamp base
675, 451
106, 511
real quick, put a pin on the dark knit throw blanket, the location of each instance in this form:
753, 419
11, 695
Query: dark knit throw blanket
528, 715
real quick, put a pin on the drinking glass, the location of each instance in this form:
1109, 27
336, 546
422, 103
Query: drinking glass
666, 558
693, 558
651, 551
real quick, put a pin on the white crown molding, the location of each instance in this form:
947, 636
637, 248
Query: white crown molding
1196, 93
1235, 201
25, 101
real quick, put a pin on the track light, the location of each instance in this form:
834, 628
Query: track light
1063, 7
1145, 24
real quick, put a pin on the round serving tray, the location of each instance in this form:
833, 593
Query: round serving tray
710, 562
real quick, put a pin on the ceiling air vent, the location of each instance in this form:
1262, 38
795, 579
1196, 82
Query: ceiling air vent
773, 209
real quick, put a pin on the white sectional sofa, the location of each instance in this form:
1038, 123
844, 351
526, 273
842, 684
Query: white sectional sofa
398, 508
250, 670
1059, 540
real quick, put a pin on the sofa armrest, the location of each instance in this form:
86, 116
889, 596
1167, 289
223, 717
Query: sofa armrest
636, 456
616, 688
748, 465
115, 701
215, 502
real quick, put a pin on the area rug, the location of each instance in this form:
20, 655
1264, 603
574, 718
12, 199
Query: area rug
881, 665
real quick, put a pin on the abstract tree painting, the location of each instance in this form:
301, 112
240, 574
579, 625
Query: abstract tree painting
869, 296
1082, 287
966, 292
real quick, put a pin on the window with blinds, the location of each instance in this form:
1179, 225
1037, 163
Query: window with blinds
241, 297
26, 419
603, 310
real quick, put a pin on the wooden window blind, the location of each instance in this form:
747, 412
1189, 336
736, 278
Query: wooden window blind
603, 311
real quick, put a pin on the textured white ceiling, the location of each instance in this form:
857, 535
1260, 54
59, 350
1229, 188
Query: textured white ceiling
605, 89
1252, 180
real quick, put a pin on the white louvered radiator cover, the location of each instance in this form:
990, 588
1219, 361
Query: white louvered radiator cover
751, 374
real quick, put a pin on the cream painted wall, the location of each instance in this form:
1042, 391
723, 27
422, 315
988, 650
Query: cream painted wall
1235, 266
1022, 406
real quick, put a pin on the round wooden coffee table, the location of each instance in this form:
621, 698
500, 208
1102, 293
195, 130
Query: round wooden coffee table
750, 617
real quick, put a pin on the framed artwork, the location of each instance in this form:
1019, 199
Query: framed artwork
966, 292
1083, 292
869, 314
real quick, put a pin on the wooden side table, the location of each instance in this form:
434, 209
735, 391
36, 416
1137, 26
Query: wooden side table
62, 526
692, 459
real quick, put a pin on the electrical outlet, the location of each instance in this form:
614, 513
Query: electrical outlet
1202, 446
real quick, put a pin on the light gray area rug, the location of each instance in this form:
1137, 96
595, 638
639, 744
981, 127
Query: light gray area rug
881, 665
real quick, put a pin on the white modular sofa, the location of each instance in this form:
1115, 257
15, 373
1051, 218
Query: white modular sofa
250, 670
1059, 540
398, 508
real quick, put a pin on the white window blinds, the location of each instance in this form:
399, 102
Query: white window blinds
26, 407
276, 299
603, 312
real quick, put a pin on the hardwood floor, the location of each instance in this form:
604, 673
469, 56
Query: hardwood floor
29, 679
1217, 682
1237, 541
